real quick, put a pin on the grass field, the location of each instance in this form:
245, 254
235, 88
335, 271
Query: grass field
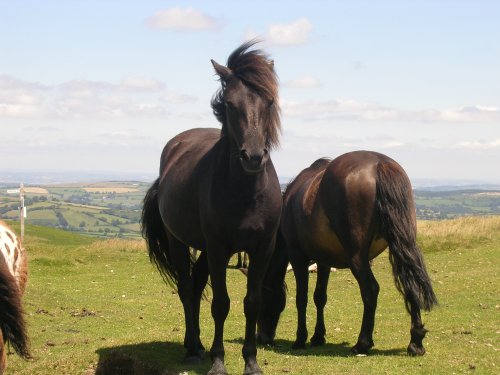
93, 303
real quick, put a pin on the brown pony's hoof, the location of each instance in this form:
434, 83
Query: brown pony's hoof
415, 350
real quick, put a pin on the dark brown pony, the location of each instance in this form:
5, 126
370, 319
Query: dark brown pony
12, 322
218, 192
343, 213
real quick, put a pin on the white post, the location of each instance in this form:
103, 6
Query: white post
21, 210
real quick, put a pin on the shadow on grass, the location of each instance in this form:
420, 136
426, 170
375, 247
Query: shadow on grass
151, 358
342, 349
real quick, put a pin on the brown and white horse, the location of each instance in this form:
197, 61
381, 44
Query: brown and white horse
13, 278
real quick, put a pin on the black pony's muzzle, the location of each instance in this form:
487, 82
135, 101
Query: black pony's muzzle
254, 162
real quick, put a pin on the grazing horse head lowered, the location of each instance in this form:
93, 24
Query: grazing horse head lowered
13, 277
218, 192
343, 213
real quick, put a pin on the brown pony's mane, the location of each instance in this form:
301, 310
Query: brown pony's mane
12, 321
256, 71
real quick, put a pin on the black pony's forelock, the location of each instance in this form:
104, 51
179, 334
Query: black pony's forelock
254, 68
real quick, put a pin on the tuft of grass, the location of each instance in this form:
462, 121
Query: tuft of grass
463, 232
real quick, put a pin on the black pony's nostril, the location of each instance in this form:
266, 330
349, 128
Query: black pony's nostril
244, 155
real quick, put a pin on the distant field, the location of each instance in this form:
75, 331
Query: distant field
106, 209
113, 208
117, 190
36, 190
94, 303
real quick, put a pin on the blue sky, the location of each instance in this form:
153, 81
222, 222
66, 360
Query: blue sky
100, 86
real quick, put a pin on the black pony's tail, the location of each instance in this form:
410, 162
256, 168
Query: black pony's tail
397, 215
12, 321
154, 233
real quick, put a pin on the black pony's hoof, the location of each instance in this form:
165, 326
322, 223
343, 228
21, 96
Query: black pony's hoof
253, 370
297, 345
194, 357
263, 339
361, 348
218, 368
415, 350
192, 360
318, 340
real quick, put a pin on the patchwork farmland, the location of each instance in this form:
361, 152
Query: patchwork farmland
107, 209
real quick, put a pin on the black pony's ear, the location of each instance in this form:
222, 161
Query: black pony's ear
223, 72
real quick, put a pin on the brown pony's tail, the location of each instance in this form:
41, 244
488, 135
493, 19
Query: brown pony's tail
399, 227
154, 233
12, 322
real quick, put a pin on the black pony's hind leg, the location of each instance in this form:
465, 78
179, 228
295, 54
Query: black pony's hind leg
369, 294
320, 298
417, 332
181, 260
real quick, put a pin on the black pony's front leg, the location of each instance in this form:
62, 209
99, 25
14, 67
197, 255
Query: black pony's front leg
220, 307
259, 262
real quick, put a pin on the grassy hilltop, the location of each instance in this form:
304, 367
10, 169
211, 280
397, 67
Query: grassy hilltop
90, 302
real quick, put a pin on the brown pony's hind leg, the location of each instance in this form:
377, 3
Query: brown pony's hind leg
300, 269
369, 293
417, 332
181, 261
320, 298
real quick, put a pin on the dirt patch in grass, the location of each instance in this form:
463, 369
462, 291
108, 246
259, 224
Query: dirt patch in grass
124, 364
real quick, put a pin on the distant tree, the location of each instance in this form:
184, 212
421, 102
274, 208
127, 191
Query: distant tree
82, 224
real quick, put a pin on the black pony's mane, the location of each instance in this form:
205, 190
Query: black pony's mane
256, 71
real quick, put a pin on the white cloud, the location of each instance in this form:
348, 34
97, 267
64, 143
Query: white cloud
290, 34
304, 82
182, 19
470, 114
478, 145
141, 84
294, 33
78, 99
352, 110
19, 98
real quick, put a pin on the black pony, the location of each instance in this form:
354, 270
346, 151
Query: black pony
343, 213
218, 192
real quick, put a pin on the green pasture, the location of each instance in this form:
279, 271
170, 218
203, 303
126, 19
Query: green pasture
99, 305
